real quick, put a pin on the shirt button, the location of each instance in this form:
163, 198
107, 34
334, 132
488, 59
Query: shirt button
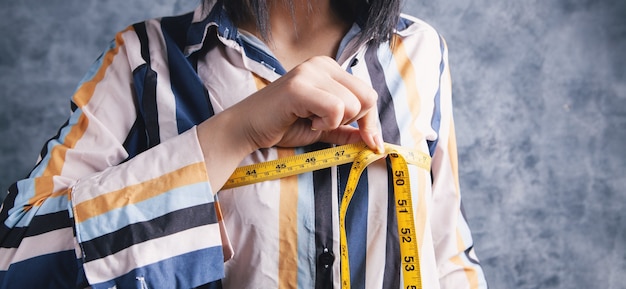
326, 259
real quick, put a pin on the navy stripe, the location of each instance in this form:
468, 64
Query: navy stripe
196, 31
140, 29
467, 254
213, 285
44, 150
436, 119
386, 110
56, 270
136, 141
145, 80
262, 57
171, 28
391, 134
225, 26
149, 107
39, 225
322, 190
73, 106
8, 204
184, 271
192, 99
403, 23
136, 233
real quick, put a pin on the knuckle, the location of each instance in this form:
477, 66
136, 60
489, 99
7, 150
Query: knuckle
338, 109
296, 83
353, 110
370, 98
336, 114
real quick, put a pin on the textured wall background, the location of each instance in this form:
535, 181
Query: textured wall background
540, 95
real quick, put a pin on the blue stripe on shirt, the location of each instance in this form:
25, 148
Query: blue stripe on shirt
184, 271
55, 271
26, 187
166, 202
436, 119
306, 224
192, 101
140, 232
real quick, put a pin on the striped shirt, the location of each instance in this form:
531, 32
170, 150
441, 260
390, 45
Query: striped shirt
121, 199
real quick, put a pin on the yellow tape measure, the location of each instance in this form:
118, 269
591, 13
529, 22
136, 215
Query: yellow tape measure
360, 156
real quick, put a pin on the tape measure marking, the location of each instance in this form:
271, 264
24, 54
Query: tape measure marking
409, 252
360, 156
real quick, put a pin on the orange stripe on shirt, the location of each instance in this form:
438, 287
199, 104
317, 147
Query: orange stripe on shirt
454, 159
287, 219
259, 81
191, 174
406, 70
469, 269
44, 185
85, 92
421, 216
288, 228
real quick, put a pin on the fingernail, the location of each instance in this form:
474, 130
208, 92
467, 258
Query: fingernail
378, 140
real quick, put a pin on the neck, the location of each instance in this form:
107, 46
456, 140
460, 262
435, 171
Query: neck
307, 28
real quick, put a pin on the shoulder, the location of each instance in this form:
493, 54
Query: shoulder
420, 39
412, 27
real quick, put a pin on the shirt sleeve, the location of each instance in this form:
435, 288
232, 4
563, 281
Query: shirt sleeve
457, 263
90, 209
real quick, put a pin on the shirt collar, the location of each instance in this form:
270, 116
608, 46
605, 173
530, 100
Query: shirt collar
214, 14
205, 16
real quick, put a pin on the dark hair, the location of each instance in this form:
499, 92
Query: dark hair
381, 16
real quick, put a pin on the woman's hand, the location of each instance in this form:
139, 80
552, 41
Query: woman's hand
315, 101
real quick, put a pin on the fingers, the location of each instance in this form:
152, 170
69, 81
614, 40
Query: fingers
339, 97
322, 93
356, 100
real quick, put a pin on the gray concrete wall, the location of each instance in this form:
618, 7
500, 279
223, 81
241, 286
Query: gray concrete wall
540, 95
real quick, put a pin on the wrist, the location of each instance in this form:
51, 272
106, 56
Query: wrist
224, 145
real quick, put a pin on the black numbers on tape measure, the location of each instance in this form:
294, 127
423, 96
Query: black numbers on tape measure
399, 174
403, 206
281, 166
310, 160
250, 172
339, 153
411, 287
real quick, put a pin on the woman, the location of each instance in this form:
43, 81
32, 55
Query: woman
125, 196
